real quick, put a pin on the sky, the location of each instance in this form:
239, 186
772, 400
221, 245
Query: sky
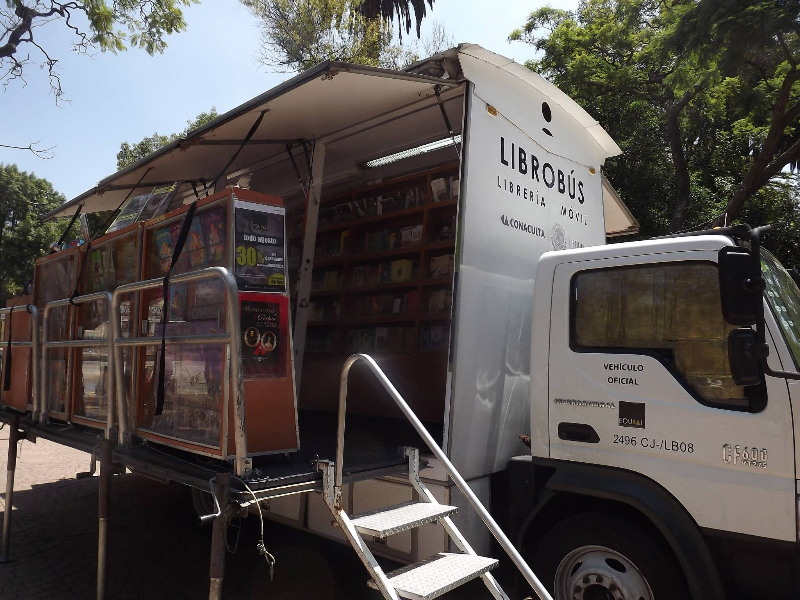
112, 98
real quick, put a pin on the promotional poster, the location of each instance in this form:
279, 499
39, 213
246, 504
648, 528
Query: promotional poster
260, 251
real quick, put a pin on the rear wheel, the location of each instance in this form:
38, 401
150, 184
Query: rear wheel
593, 556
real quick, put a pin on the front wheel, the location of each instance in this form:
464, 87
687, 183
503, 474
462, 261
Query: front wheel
593, 556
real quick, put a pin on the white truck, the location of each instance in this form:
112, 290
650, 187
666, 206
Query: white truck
451, 224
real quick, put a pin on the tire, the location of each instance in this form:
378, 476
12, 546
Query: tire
593, 556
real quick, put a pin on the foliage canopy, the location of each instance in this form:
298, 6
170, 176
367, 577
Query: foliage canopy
110, 25
703, 96
24, 200
130, 153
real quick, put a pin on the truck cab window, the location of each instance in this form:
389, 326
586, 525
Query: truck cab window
669, 310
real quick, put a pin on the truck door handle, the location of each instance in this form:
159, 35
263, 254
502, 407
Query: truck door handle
578, 432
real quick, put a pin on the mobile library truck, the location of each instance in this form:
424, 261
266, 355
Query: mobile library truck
348, 211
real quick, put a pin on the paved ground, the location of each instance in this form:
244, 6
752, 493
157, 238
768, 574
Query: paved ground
156, 550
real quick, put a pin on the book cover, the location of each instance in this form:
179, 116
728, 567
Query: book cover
213, 226
405, 236
196, 244
177, 302
96, 263
416, 234
164, 245
439, 189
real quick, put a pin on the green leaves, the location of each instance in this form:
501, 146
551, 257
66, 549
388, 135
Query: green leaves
139, 23
24, 199
130, 153
702, 95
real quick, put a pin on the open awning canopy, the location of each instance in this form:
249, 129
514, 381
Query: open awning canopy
358, 112
337, 103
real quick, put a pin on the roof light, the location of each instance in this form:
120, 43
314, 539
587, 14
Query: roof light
416, 151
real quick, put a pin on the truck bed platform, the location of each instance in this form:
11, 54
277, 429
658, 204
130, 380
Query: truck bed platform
371, 450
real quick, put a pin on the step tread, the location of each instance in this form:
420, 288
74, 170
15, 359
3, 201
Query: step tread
401, 517
438, 575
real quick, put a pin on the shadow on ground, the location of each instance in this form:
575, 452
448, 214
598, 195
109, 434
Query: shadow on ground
158, 552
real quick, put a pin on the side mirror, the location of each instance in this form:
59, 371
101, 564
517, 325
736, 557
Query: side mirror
743, 357
739, 297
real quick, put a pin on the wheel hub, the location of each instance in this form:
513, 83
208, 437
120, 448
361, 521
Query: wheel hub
599, 573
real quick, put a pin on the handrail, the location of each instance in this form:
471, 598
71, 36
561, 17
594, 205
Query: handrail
81, 343
230, 338
33, 344
437, 452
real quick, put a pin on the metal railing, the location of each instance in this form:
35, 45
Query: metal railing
47, 344
243, 463
32, 344
487, 519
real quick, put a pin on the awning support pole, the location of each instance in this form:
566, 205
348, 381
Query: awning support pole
307, 262
13, 437
103, 506
438, 91
222, 485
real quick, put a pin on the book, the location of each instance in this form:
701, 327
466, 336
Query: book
196, 244
358, 276
164, 246
97, 273
213, 225
439, 189
405, 236
440, 265
401, 270
411, 303
437, 301
416, 234
454, 187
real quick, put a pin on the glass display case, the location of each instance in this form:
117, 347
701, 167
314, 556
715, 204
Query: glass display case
112, 261
244, 232
54, 279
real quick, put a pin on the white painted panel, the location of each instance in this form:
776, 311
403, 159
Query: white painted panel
519, 201
682, 443
285, 506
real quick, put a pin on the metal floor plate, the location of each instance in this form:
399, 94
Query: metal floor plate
438, 575
387, 521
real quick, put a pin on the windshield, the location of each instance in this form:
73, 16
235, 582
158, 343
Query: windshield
783, 297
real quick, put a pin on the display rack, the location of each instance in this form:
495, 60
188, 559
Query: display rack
382, 284
107, 263
242, 231
55, 278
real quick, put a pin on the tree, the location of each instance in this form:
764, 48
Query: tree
711, 83
757, 42
130, 153
24, 200
615, 49
109, 26
298, 34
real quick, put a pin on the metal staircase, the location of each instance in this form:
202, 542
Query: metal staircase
438, 574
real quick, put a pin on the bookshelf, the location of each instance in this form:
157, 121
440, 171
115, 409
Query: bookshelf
382, 284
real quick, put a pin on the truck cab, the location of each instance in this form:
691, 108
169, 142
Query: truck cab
653, 473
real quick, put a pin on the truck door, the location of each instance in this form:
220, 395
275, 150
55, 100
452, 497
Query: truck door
639, 379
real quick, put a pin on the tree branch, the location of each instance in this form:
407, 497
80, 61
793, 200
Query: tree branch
43, 153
